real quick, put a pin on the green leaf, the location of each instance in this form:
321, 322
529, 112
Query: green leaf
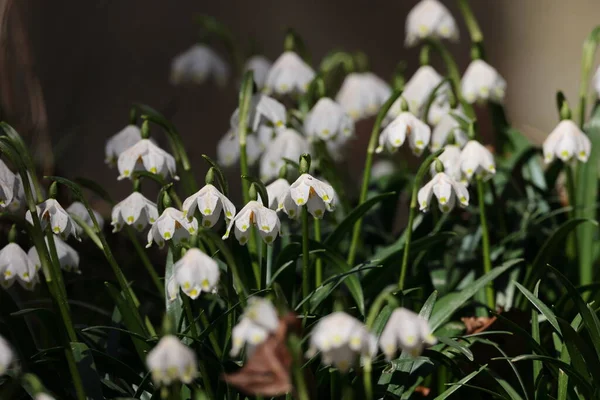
544, 309
427, 308
87, 370
346, 225
96, 188
458, 384
582, 356
457, 346
447, 305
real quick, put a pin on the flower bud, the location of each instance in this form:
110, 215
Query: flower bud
145, 129
304, 163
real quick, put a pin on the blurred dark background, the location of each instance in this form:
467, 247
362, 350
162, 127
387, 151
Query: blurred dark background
70, 69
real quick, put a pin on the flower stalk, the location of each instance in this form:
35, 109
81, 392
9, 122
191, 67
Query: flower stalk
587, 62
244, 107
485, 238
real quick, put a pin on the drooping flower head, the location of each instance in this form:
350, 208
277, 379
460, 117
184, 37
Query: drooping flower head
326, 120
430, 19
277, 191
172, 361
194, 273
197, 64
446, 190
260, 67
405, 330
51, 213
7, 356
417, 91
210, 202
16, 266
405, 124
447, 126
362, 94
11, 188
264, 110
565, 142
476, 160
172, 225
341, 338
449, 159
481, 81
308, 191
78, 209
136, 211
68, 258
120, 142
289, 74
288, 144
255, 214
228, 149
257, 323
146, 156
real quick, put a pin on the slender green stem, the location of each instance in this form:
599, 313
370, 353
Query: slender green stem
487, 262
319, 262
305, 259
470, 21
300, 383
145, 260
244, 110
367, 171
367, 381
252, 247
269, 265
211, 336
587, 61
378, 303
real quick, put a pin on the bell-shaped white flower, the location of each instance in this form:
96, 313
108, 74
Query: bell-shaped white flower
43, 396
68, 258
172, 361
194, 273
596, 82
51, 213
78, 209
135, 210
254, 213
197, 64
565, 142
481, 81
257, 323
172, 225
438, 110
475, 159
318, 196
210, 202
260, 67
228, 149
11, 188
447, 125
146, 156
7, 356
446, 190
288, 144
327, 119
449, 159
405, 330
15, 265
341, 338
382, 168
120, 142
289, 74
362, 94
405, 124
264, 110
277, 191
430, 19
417, 91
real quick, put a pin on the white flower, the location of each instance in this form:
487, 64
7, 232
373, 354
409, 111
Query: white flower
254, 213
327, 119
382, 168
318, 196
565, 142
194, 273
15, 265
197, 64
228, 149
447, 191
405, 124
417, 91
341, 338
260, 67
405, 330
120, 142
172, 225
145, 155
77, 208
449, 159
68, 258
257, 323
430, 18
289, 74
439, 108
43, 396
481, 81
11, 188
288, 144
447, 125
7, 357
277, 191
596, 81
263, 110
476, 159
135, 210
51, 213
362, 94
210, 202
171, 361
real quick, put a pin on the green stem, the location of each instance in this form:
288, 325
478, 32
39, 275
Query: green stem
211, 336
244, 110
380, 300
146, 261
300, 384
253, 247
487, 262
367, 369
587, 61
269, 266
471, 22
367, 171
305, 259
319, 262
